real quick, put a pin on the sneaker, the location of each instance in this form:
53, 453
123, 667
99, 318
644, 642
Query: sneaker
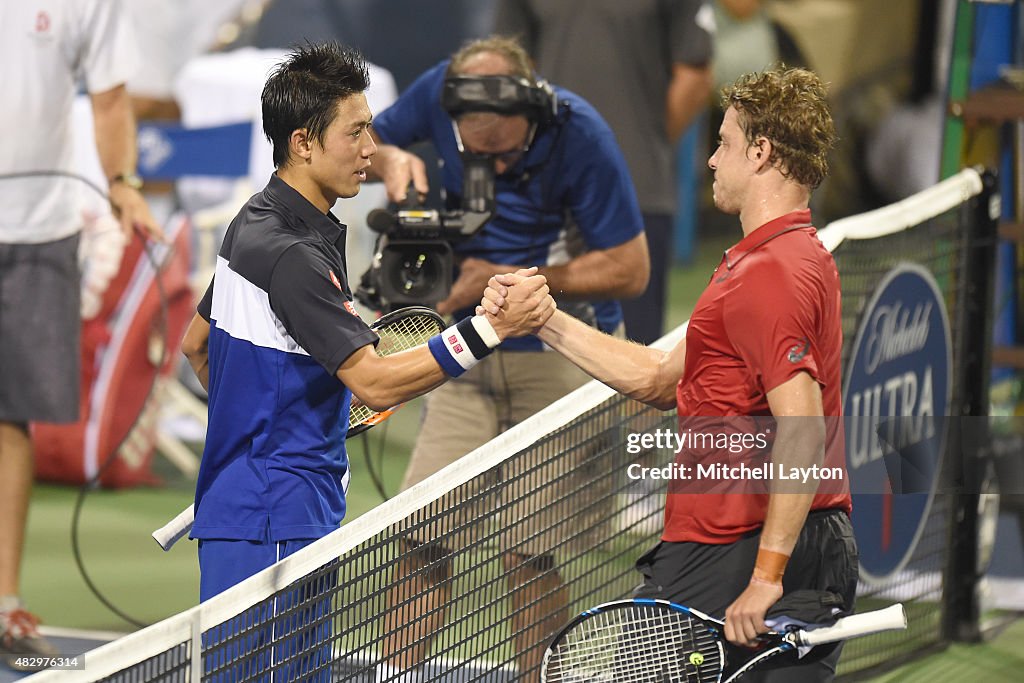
20, 639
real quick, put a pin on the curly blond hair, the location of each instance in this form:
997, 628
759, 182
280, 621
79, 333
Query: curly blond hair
788, 106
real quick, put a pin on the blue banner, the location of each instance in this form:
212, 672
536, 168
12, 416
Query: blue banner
897, 394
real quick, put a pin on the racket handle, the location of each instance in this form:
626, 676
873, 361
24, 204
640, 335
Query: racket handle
170, 533
888, 619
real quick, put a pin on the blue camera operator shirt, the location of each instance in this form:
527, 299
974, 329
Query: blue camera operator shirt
274, 467
570, 193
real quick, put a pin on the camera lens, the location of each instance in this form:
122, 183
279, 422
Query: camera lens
416, 272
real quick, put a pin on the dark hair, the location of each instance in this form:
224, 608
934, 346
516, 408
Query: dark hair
789, 107
304, 90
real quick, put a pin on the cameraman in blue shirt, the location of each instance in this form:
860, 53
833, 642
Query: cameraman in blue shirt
564, 202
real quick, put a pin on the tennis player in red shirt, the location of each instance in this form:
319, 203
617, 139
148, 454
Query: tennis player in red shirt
764, 340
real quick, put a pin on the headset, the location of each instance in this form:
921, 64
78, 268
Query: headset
504, 94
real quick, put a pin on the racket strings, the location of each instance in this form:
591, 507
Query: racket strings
401, 334
637, 644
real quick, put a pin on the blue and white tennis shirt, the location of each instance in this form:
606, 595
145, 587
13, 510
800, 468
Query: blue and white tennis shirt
281, 324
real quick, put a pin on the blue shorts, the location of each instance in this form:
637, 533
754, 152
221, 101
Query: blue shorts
288, 634
224, 563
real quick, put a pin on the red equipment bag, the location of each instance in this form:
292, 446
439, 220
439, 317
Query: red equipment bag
135, 336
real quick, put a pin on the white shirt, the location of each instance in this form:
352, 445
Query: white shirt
48, 47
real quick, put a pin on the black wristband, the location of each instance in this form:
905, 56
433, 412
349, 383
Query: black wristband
473, 339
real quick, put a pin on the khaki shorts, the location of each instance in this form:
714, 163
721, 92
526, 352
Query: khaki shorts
521, 505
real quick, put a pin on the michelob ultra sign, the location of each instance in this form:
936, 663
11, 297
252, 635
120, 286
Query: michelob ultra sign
897, 395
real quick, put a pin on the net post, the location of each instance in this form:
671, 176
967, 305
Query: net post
961, 613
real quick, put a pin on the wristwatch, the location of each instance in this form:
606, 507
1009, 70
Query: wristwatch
130, 179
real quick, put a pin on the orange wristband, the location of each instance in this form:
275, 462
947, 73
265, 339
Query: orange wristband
770, 566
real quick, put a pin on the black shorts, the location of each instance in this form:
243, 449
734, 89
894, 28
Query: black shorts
710, 577
40, 327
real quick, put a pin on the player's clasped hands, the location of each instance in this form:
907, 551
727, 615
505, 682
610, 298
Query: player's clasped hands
517, 303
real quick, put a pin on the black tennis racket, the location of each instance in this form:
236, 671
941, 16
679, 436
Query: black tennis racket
657, 641
399, 330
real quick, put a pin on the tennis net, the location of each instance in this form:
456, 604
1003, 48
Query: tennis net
948, 232
364, 602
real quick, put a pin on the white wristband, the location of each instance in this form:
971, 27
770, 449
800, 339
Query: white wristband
486, 331
463, 345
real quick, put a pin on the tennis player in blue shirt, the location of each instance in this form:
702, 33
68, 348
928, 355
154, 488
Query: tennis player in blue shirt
278, 344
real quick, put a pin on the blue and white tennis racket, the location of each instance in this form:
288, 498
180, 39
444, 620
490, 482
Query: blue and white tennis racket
657, 641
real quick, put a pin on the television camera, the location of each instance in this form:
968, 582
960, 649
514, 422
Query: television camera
413, 261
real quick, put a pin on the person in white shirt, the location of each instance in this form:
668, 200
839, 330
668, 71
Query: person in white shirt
50, 47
